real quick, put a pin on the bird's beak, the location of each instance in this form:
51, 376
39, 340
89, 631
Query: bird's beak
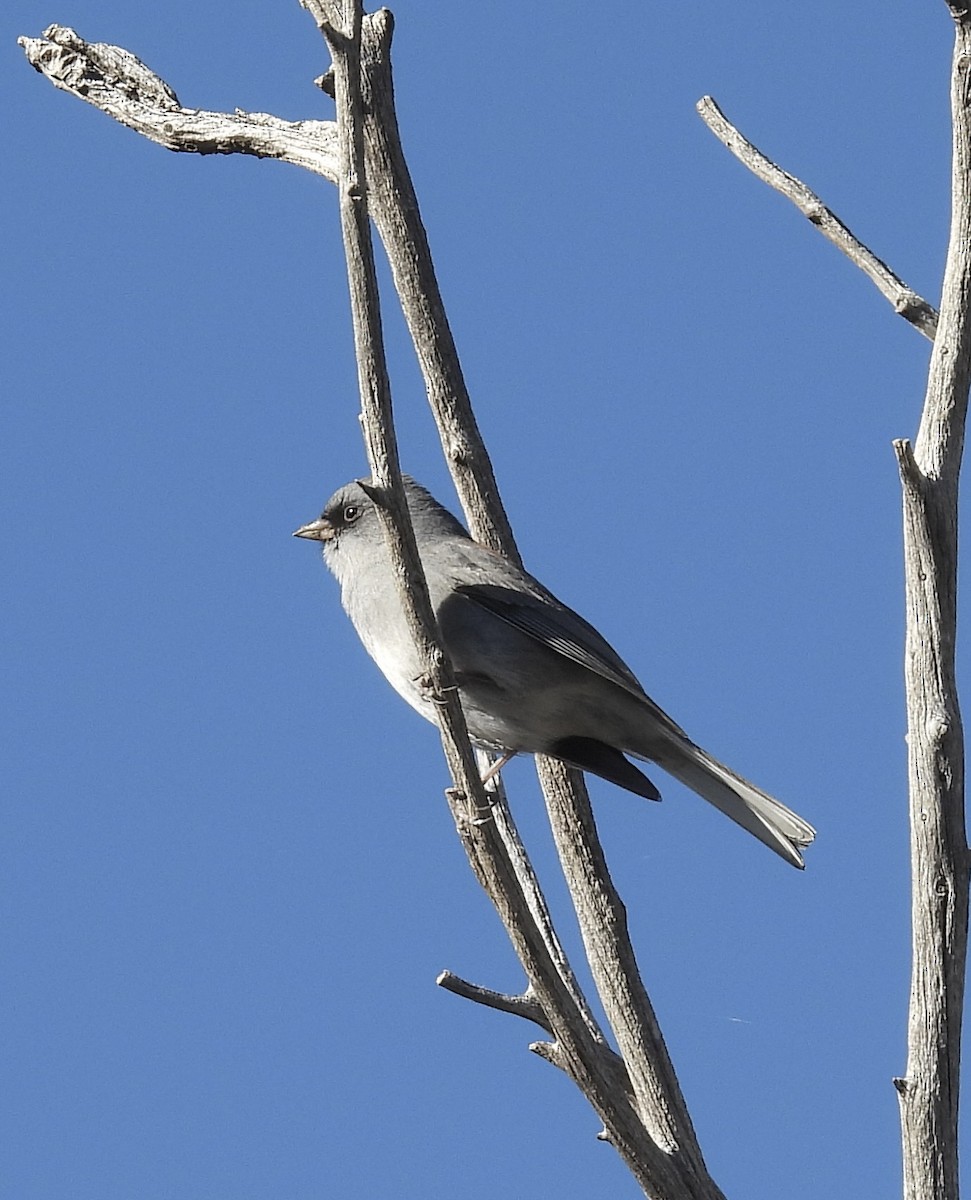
320, 530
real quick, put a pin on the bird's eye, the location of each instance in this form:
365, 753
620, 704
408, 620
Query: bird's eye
351, 513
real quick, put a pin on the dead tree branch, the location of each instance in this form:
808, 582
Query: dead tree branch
663, 1163
905, 300
119, 84
599, 910
929, 473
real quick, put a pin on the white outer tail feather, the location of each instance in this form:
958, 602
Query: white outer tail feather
764, 817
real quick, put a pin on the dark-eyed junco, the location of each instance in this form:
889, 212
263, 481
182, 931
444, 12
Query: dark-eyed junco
533, 676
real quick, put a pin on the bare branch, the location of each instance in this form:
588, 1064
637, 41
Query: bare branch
928, 1093
603, 925
332, 19
550, 1051
396, 213
119, 84
525, 1006
905, 300
375, 389
582, 1052
538, 911
394, 206
483, 840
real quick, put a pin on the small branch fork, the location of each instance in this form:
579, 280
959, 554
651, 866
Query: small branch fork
929, 473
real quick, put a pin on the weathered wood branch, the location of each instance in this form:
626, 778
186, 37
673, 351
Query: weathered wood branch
394, 206
603, 926
533, 896
657, 1168
525, 1005
929, 472
906, 302
119, 84
599, 911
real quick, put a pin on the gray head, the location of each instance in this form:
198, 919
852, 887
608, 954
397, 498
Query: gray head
349, 521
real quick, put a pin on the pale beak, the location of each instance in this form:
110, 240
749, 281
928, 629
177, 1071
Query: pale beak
320, 530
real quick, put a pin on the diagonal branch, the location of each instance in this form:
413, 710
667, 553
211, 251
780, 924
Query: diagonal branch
119, 84
539, 913
396, 213
905, 300
599, 910
606, 940
525, 1006
581, 1054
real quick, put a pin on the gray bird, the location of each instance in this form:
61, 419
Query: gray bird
533, 676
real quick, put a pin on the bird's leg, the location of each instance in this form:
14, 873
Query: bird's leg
497, 766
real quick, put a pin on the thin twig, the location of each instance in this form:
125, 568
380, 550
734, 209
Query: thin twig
394, 206
905, 301
525, 1005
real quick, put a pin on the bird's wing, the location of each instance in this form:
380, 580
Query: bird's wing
560, 629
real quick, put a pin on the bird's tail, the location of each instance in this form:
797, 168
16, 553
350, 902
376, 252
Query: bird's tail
763, 816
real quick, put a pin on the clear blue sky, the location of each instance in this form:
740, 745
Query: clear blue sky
229, 875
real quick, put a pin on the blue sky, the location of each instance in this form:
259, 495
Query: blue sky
229, 875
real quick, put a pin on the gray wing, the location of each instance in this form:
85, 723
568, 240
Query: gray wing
555, 626
524, 603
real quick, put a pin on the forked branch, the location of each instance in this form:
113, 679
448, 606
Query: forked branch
929, 472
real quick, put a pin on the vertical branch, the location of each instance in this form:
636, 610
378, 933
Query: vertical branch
579, 1048
341, 25
603, 926
929, 472
600, 912
394, 206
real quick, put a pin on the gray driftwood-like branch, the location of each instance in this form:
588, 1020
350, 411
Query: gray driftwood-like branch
599, 910
905, 300
668, 1162
119, 84
929, 472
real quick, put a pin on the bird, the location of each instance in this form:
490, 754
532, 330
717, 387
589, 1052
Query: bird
533, 676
